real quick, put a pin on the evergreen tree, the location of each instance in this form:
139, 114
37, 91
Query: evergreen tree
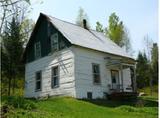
142, 71
12, 46
154, 63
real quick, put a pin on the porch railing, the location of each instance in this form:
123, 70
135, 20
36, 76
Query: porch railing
115, 88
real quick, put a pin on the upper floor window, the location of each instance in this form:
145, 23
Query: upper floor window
38, 81
54, 42
37, 48
96, 73
62, 44
55, 77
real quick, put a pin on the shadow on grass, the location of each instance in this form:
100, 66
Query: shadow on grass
139, 102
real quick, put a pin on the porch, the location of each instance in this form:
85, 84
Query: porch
120, 82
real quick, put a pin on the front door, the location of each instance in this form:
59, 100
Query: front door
115, 79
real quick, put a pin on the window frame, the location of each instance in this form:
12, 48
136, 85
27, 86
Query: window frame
52, 41
99, 74
53, 77
36, 81
35, 50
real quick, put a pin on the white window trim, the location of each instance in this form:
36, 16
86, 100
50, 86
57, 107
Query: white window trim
38, 81
52, 76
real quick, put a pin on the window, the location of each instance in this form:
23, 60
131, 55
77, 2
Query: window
37, 48
89, 95
62, 44
54, 42
55, 77
96, 73
38, 80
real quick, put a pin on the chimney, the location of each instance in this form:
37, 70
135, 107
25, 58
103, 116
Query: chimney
154, 44
85, 24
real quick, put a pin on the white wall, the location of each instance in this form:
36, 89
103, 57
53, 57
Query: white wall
65, 60
83, 73
76, 77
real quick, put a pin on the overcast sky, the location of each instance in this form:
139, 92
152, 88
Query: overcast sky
139, 16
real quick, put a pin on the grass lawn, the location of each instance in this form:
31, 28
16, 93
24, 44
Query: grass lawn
66, 107
146, 90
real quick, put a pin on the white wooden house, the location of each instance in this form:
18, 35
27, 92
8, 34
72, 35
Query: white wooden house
62, 58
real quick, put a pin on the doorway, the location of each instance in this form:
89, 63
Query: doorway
115, 79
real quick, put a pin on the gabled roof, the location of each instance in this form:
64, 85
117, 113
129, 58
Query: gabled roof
87, 38
91, 39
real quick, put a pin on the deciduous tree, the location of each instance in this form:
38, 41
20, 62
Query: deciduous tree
99, 27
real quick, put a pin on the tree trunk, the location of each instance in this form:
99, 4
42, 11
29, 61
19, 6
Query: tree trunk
9, 86
10, 78
151, 87
14, 84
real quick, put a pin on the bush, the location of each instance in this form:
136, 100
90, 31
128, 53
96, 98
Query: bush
20, 102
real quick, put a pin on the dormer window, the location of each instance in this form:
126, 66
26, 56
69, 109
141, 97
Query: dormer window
54, 42
37, 47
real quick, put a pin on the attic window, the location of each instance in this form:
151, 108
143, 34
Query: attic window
54, 42
37, 48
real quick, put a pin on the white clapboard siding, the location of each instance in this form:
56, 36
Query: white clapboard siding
83, 73
65, 60
76, 78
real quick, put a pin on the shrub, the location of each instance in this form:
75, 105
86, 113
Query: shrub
20, 102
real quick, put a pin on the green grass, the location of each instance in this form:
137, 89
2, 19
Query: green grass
146, 90
66, 107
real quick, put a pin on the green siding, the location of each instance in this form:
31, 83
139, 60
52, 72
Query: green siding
42, 35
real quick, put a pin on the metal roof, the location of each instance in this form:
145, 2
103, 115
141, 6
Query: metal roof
87, 38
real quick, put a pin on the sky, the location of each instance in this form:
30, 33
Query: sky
139, 16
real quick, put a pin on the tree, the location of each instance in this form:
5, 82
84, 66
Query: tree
13, 48
142, 70
15, 30
10, 8
99, 27
154, 63
82, 15
117, 32
148, 47
148, 43
27, 26
126, 41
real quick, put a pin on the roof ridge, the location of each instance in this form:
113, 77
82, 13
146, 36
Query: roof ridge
71, 23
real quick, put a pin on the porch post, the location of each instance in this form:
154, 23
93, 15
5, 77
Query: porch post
135, 84
121, 68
